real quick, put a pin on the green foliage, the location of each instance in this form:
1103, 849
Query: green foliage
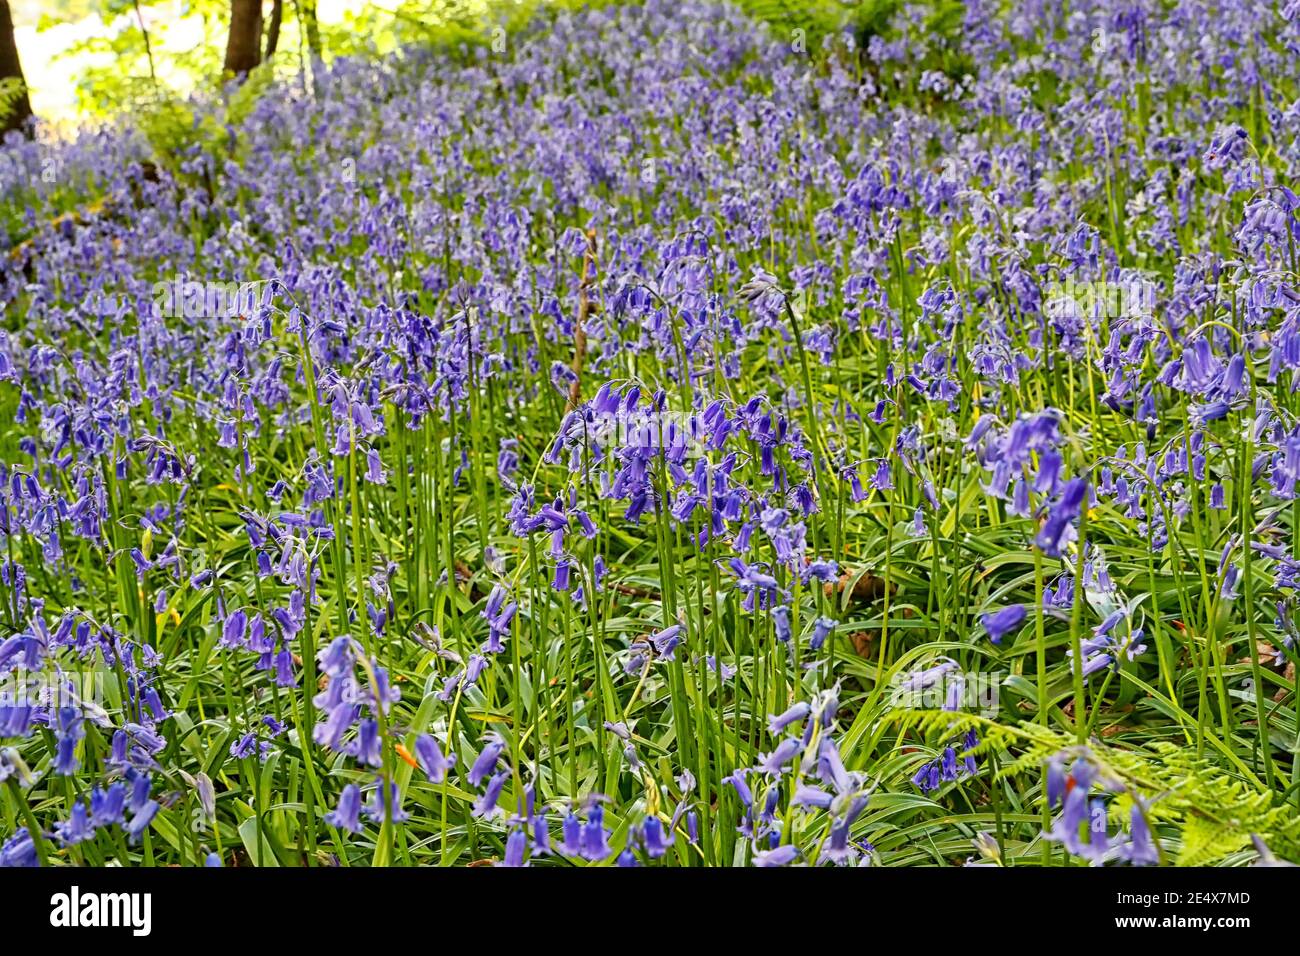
118, 76
1205, 802
815, 18
1207, 810
11, 89
373, 30
61, 11
818, 19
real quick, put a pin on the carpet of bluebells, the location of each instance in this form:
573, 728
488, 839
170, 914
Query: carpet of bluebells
654, 438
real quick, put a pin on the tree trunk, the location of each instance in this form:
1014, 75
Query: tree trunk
20, 110
311, 28
244, 47
273, 29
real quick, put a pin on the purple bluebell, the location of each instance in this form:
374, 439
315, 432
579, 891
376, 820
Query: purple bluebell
486, 762
1002, 622
347, 815
431, 759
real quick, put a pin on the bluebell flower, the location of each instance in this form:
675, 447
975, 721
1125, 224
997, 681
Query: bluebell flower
369, 746
822, 629
829, 766
338, 720
432, 762
1002, 622
486, 762
572, 832
1140, 850
737, 780
141, 818
15, 720
70, 729
970, 740
234, 629
838, 848
811, 797
652, 836
139, 786
780, 856
19, 850
541, 835
516, 846
781, 620
595, 845
377, 807
796, 712
927, 778
665, 642
486, 805
773, 764
107, 806
1056, 530
347, 816
1081, 826
78, 828
1057, 782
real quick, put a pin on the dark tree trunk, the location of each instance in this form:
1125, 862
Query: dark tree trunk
273, 29
20, 110
244, 47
